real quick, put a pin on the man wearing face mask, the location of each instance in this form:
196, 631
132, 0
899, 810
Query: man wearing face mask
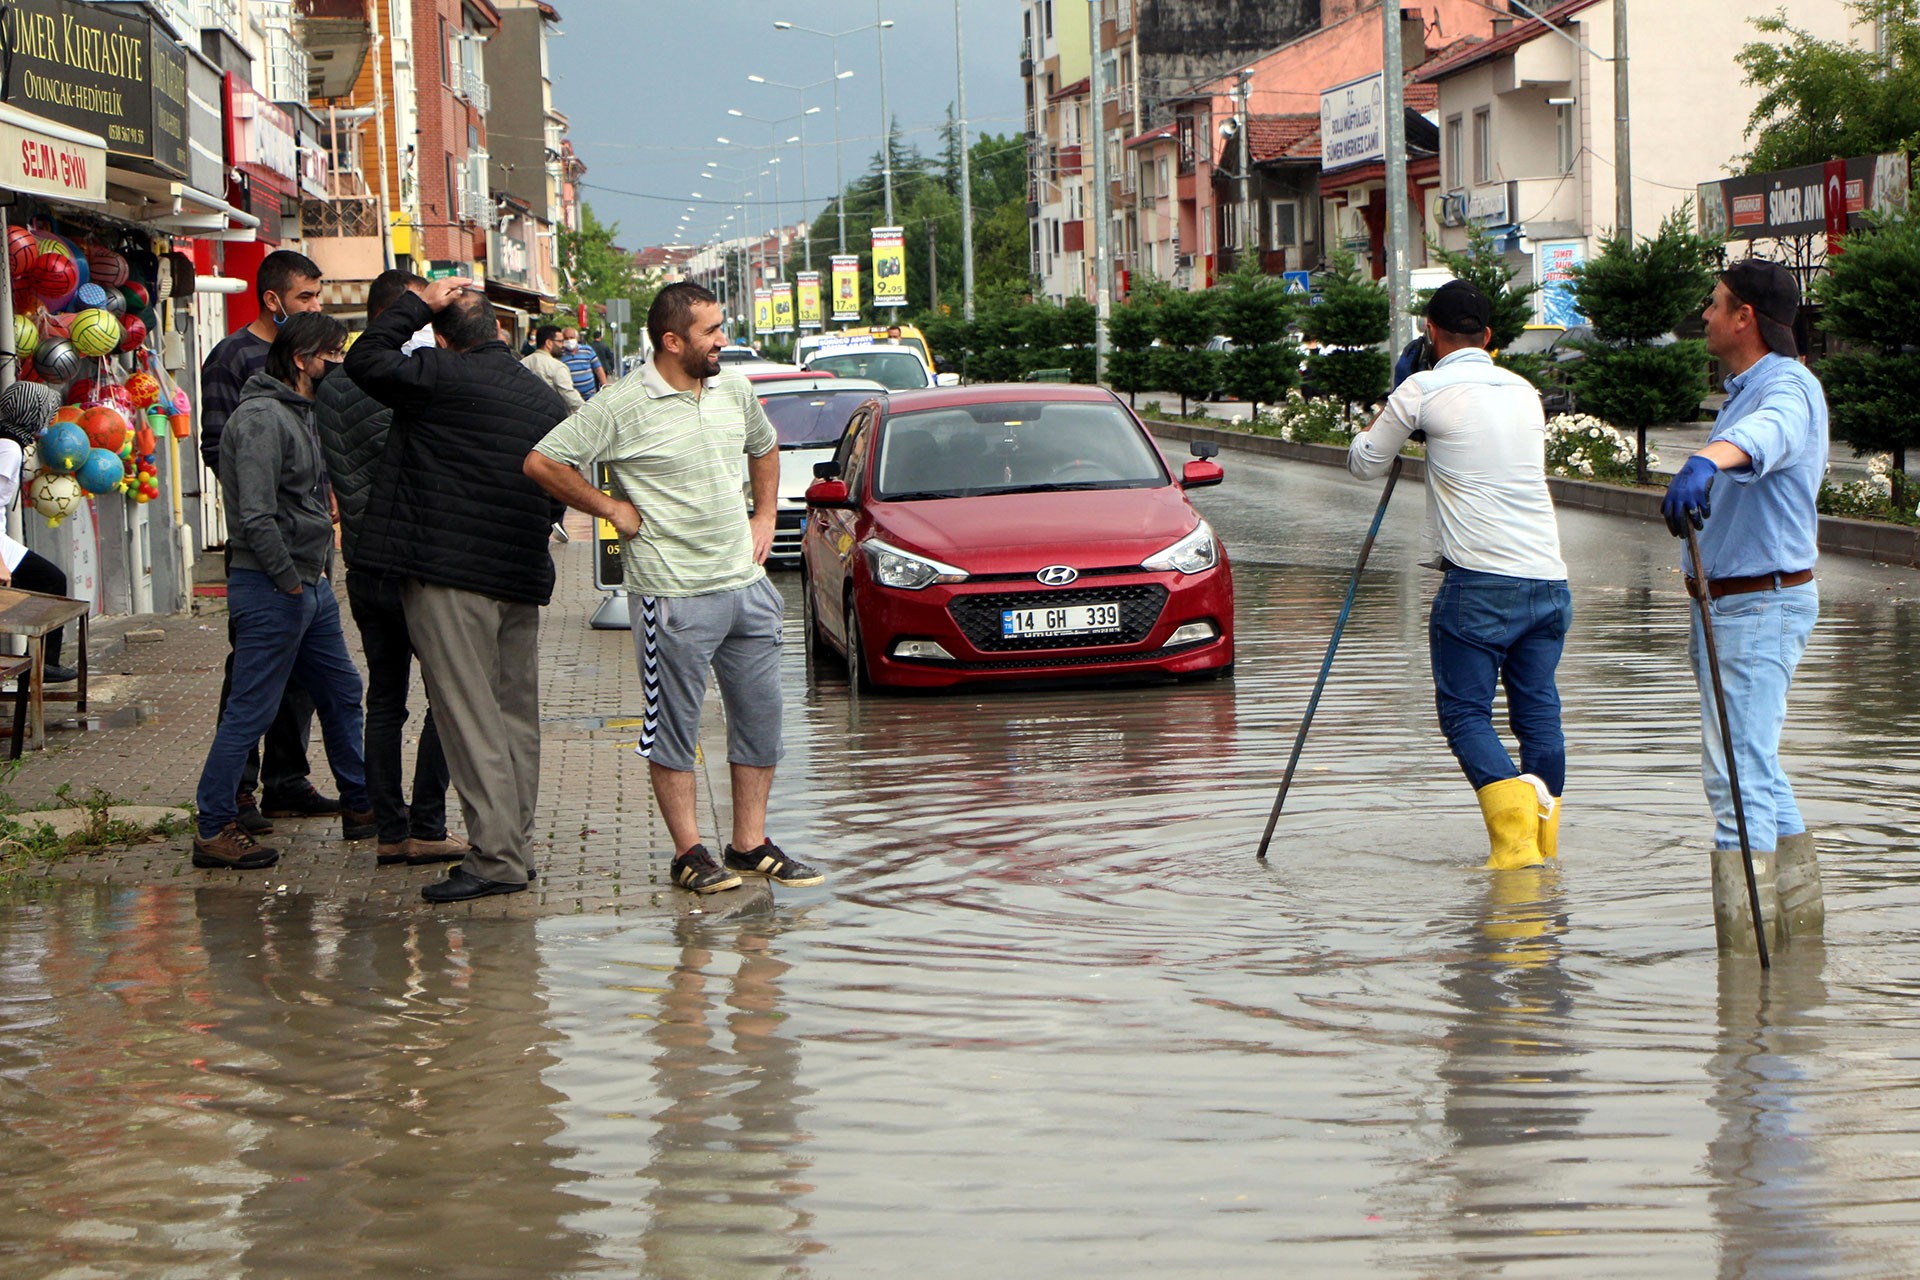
583, 363
288, 285
284, 616
545, 363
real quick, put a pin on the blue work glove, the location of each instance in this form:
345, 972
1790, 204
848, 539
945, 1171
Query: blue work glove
1688, 497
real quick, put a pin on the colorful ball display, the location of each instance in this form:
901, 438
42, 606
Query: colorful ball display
143, 389
100, 471
106, 427
133, 333
112, 301
56, 326
22, 250
138, 299
26, 335
54, 278
58, 360
64, 446
107, 267
96, 332
55, 496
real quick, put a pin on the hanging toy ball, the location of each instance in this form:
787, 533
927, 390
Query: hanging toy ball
97, 295
57, 326
69, 413
143, 389
108, 267
81, 392
115, 395
95, 332
55, 496
64, 447
26, 335
58, 361
100, 471
133, 333
54, 278
22, 250
136, 294
106, 427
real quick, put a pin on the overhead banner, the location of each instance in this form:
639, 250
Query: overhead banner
763, 310
783, 307
1815, 199
809, 287
44, 158
889, 267
846, 287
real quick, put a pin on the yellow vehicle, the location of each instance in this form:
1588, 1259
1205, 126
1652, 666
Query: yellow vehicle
861, 335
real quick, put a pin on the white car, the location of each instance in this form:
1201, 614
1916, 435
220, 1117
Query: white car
898, 366
809, 414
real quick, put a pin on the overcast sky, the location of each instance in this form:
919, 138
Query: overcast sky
647, 84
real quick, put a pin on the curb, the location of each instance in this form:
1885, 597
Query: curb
1865, 539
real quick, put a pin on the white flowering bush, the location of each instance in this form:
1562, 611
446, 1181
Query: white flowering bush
1320, 420
1872, 497
1582, 447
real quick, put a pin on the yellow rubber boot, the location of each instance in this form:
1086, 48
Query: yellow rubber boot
1512, 811
1548, 837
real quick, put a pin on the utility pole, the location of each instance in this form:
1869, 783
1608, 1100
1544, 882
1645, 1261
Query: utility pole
1102, 285
933, 267
886, 121
1399, 250
966, 169
1243, 122
1622, 132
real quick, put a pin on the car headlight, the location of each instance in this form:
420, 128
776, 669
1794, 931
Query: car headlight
1191, 554
892, 567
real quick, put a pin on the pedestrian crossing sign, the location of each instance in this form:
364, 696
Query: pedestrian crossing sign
1299, 282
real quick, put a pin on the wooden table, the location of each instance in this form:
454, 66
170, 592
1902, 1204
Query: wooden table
36, 616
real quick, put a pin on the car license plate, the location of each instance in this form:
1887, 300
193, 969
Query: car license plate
1066, 620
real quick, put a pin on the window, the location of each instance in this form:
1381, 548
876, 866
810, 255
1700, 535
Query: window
1456, 174
446, 54
1569, 146
1049, 21
1055, 224
1483, 145
1285, 224
1230, 225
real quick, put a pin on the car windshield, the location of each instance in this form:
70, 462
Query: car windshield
895, 370
1533, 341
812, 418
1014, 447
737, 355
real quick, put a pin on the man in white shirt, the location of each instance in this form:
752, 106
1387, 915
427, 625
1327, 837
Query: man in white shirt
544, 361
1501, 616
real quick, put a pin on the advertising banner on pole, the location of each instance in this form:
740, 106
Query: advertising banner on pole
783, 307
763, 310
1554, 271
809, 300
889, 267
846, 287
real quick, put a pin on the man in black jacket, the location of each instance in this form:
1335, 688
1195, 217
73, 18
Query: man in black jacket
453, 515
353, 435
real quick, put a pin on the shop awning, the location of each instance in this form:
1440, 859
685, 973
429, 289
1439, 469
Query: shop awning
42, 157
175, 207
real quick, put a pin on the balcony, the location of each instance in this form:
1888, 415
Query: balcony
347, 216
1026, 59
471, 85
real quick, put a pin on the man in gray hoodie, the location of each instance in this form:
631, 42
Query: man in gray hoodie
286, 622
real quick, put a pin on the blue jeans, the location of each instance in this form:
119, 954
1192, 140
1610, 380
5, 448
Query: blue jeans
1760, 637
277, 635
1488, 630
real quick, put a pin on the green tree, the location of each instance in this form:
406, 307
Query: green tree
1254, 311
1870, 300
1130, 331
1483, 264
594, 270
1634, 295
1185, 323
1825, 99
1354, 317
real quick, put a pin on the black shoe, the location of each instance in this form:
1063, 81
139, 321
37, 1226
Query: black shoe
776, 866
301, 804
461, 885
233, 850
358, 826
251, 820
696, 870
58, 675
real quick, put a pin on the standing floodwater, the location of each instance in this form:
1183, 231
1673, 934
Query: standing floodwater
1048, 1016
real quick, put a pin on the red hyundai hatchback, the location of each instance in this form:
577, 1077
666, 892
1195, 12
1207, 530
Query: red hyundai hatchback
998, 533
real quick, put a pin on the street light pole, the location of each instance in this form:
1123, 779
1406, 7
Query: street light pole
886, 121
966, 170
1399, 244
839, 174
1102, 286
1622, 130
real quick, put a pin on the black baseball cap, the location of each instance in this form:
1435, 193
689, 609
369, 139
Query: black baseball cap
1774, 295
1459, 307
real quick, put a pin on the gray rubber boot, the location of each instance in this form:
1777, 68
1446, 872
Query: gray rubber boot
1732, 910
1796, 875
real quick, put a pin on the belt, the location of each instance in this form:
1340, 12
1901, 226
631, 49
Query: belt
1717, 587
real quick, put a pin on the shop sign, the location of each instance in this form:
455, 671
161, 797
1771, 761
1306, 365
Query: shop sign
1353, 122
315, 166
1807, 201
507, 256
49, 160
260, 138
95, 67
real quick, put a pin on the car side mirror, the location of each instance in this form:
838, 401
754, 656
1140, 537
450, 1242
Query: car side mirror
1197, 474
832, 494
1203, 449
946, 379
826, 470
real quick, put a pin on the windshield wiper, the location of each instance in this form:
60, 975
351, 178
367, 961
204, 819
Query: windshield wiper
1065, 487
920, 494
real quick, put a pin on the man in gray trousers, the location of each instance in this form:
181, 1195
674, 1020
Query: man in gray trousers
452, 515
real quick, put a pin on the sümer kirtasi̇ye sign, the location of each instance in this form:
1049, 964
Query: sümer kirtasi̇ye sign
91, 66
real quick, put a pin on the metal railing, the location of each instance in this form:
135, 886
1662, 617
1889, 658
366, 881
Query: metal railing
344, 217
472, 86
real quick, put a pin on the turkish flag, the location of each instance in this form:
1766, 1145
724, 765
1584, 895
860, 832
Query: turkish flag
1836, 201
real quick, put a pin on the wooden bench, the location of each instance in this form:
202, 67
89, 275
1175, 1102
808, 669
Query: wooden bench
34, 617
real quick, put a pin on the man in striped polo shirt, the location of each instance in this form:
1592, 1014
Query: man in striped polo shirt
672, 439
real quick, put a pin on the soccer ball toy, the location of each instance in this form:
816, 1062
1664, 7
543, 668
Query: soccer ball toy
54, 277
133, 333
58, 361
55, 496
100, 472
106, 427
64, 446
26, 335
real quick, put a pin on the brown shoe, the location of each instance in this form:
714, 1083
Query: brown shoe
233, 850
358, 825
449, 848
388, 855
249, 815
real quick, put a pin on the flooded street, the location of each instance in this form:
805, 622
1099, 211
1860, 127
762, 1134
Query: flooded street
1048, 1016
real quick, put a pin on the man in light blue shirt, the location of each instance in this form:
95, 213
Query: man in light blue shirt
1751, 492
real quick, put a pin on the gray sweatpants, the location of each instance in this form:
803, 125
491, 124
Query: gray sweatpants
481, 660
737, 633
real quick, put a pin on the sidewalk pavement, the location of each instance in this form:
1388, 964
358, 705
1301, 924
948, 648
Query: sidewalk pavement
600, 845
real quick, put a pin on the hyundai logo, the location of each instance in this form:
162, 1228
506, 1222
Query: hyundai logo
1057, 575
